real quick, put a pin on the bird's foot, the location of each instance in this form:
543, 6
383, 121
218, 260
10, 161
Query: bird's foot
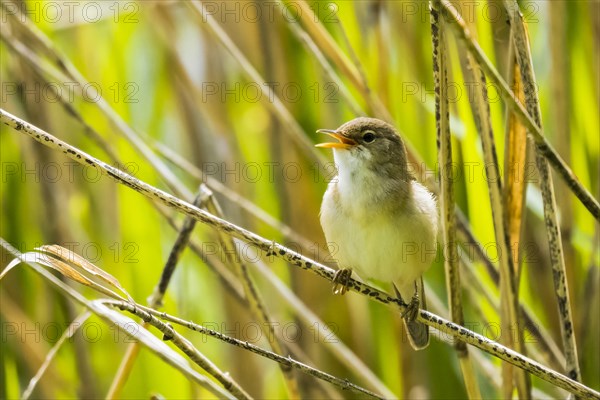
341, 281
412, 308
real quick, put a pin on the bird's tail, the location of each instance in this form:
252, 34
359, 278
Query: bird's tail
418, 334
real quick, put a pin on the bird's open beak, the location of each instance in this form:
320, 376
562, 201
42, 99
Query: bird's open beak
344, 142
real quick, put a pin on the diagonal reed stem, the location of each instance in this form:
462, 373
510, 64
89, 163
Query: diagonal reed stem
293, 258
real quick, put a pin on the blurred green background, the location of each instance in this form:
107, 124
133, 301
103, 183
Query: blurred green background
193, 100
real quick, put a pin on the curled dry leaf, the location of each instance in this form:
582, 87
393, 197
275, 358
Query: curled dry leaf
76, 260
70, 265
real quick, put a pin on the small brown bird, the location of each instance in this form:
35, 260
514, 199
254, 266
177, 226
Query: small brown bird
381, 221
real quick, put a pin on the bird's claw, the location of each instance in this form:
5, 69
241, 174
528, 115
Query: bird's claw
412, 308
341, 281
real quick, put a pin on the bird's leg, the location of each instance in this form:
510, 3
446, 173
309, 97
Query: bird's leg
341, 281
412, 308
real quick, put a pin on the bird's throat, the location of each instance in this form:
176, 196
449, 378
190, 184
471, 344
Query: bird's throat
362, 184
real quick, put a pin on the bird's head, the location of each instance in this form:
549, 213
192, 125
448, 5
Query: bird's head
369, 143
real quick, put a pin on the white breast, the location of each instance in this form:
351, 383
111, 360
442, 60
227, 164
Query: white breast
378, 245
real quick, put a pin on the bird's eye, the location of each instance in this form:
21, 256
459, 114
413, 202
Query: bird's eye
368, 136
